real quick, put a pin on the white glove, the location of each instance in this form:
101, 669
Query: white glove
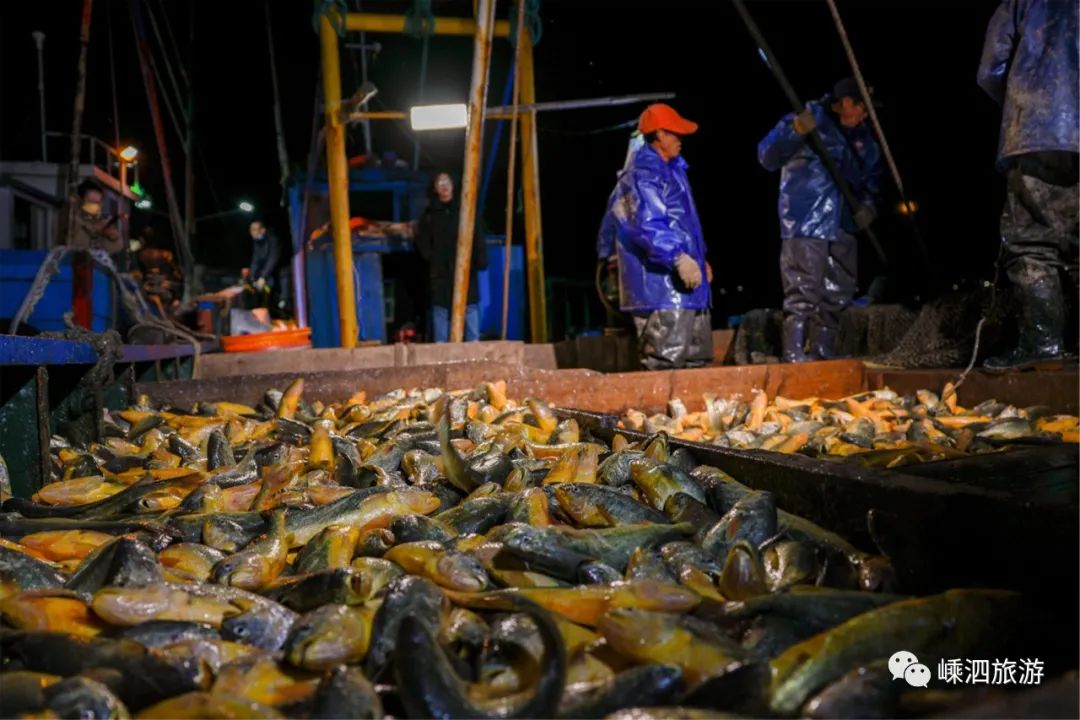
689, 271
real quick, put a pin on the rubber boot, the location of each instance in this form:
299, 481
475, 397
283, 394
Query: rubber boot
823, 343
794, 339
1041, 326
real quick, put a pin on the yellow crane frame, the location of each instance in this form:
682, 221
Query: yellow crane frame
337, 169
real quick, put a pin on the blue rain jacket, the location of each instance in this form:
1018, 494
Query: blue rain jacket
810, 203
1029, 66
651, 219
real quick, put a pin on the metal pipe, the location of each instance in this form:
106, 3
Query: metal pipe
376, 115
470, 186
39, 40
511, 159
506, 112
813, 136
338, 176
76, 122
611, 101
372, 22
420, 98
530, 186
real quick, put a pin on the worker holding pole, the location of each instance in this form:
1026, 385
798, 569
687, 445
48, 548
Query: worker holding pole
1029, 66
818, 255
653, 226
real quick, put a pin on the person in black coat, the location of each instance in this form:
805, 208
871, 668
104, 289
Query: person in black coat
267, 273
436, 241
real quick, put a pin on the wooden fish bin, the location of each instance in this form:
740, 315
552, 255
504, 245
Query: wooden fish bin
999, 520
969, 521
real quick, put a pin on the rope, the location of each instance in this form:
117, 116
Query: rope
866, 98
106, 346
420, 20
166, 58
532, 21
982, 321
49, 267
879, 131
173, 44
137, 307
335, 11
133, 300
165, 94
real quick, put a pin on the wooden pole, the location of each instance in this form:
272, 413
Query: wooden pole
470, 186
530, 186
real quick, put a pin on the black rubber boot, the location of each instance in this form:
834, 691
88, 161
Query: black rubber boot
1042, 329
823, 343
794, 339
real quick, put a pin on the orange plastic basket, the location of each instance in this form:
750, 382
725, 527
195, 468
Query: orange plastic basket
282, 340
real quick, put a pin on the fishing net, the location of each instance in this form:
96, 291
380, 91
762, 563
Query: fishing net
940, 334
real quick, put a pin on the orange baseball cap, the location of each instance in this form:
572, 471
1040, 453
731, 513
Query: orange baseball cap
659, 116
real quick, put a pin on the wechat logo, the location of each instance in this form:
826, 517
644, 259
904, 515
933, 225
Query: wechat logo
905, 666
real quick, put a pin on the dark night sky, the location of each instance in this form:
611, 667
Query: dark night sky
921, 56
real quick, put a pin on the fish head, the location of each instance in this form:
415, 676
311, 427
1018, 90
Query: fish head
244, 570
418, 501
257, 625
631, 631
650, 594
462, 572
877, 574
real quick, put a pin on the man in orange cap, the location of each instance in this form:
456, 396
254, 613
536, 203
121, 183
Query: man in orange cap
652, 226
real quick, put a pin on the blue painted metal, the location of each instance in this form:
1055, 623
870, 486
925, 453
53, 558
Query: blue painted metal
17, 271
371, 305
368, 276
18, 350
322, 298
15, 350
490, 281
146, 353
370, 299
408, 193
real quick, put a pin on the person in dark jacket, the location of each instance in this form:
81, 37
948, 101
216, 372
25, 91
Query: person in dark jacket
652, 226
1029, 66
436, 240
818, 255
267, 273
